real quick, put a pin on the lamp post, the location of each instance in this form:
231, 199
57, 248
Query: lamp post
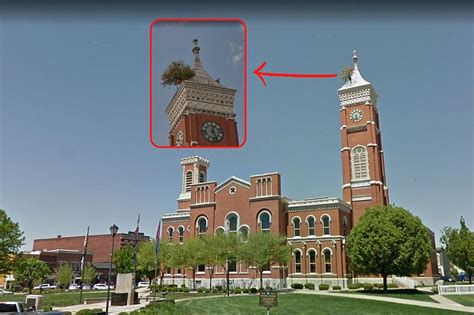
113, 230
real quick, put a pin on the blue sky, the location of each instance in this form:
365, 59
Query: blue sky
74, 114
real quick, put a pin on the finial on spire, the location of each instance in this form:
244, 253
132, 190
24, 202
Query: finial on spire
196, 47
354, 56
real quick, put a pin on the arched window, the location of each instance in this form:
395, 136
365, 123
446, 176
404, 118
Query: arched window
311, 222
327, 260
344, 226
181, 234
202, 177
297, 254
202, 226
312, 260
297, 226
265, 221
189, 180
325, 219
232, 222
360, 163
220, 230
244, 233
170, 233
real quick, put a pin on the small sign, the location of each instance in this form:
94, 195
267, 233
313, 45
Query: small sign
268, 299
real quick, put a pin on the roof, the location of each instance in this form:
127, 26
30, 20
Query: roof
201, 76
233, 179
356, 79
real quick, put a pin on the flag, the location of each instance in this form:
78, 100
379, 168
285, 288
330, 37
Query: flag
84, 252
135, 254
157, 239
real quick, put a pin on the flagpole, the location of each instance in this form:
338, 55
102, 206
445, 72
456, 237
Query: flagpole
137, 230
157, 243
83, 263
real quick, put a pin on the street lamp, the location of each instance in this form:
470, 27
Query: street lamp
113, 230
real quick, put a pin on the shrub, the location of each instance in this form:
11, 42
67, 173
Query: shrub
336, 287
237, 291
69, 313
183, 286
378, 285
359, 285
297, 286
392, 285
215, 290
48, 308
323, 286
353, 286
89, 311
368, 286
218, 287
186, 290
245, 290
201, 290
176, 73
309, 286
180, 289
172, 285
253, 290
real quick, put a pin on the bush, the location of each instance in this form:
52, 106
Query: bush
297, 286
253, 290
353, 286
323, 286
245, 290
48, 308
172, 285
183, 286
176, 73
392, 285
69, 313
218, 287
180, 289
237, 291
215, 290
336, 287
378, 285
309, 286
186, 290
368, 286
201, 290
89, 311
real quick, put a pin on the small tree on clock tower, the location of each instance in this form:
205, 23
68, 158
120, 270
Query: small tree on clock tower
363, 169
201, 112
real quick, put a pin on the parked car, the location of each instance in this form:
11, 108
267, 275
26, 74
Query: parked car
143, 284
101, 286
73, 286
45, 286
4, 292
14, 307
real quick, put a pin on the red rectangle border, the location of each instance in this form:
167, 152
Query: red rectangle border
159, 20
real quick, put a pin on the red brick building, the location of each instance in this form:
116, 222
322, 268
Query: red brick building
317, 227
201, 112
99, 246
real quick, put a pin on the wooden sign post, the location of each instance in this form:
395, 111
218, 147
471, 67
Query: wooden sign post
268, 299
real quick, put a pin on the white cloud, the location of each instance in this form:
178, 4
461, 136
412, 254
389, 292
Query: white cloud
236, 53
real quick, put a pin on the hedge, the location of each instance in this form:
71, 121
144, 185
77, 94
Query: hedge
336, 287
297, 285
368, 286
309, 286
324, 286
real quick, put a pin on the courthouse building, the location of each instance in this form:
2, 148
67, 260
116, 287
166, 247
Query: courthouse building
316, 227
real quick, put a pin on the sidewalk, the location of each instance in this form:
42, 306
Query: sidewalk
115, 310
444, 303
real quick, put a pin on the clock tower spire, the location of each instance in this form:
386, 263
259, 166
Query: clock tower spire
363, 169
201, 112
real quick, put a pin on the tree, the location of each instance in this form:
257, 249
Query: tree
176, 73
11, 239
146, 259
227, 250
263, 249
192, 251
389, 241
123, 259
64, 275
211, 254
165, 257
90, 274
30, 270
459, 247
346, 73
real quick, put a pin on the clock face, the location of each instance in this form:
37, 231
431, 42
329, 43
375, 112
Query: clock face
356, 115
212, 131
180, 138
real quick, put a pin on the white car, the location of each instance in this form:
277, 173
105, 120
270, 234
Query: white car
4, 292
45, 286
101, 286
143, 284
73, 286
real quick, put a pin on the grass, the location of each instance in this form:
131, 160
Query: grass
57, 299
409, 294
296, 304
466, 300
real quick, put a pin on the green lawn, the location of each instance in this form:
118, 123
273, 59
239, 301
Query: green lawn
57, 299
296, 304
466, 300
410, 294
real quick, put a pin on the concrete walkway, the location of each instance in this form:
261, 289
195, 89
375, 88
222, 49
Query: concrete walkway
115, 310
444, 300
443, 303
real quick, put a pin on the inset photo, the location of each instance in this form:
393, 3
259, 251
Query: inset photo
198, 90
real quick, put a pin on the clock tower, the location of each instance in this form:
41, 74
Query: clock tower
363, 169
201, 112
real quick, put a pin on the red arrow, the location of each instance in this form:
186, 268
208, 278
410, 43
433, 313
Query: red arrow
261, 74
